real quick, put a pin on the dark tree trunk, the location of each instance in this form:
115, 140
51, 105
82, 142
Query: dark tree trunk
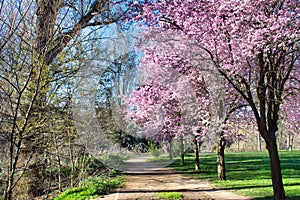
221, 159
181, 150
273, 70
277, 183
196, 151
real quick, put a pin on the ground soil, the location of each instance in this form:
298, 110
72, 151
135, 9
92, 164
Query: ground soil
145, 180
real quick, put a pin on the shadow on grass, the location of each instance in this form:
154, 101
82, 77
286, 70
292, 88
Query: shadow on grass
252, 186
204, 191
238, 165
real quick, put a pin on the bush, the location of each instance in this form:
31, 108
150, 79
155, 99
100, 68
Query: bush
92, 187
113, 172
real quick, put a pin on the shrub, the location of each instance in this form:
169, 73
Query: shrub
92, 187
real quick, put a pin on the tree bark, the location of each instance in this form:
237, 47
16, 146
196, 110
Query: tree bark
277, 183
8, 191
11, 170
221, 159
71, 154
181, 150
171, 150
196, 151
258, 142
290, 141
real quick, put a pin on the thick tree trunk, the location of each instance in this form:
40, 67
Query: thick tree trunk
181, 150
221, 159
196, 151
277, 183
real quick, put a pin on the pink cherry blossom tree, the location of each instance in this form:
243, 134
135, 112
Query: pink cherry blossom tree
220, 101
166, 55
253, 44
290, 118
172, 98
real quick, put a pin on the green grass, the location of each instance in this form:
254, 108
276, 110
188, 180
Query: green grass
170, 195
248, 173
92, 188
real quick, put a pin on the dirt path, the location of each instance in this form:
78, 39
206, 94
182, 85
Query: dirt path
145, 180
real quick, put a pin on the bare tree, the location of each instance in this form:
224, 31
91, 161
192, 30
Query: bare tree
39, 40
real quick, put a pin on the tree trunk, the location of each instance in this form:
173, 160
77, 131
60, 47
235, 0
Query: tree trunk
59, 172
277, 183
8, 191
72, 162
10, 178
221, 159
181, 150
258, 142
171, 150
290, 140
196, 151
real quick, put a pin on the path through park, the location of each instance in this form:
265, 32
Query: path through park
146, 180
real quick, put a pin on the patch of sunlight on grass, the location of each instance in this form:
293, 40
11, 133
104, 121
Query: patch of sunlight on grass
170, 195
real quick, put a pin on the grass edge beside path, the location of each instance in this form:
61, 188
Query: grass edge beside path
248, 173
93, 187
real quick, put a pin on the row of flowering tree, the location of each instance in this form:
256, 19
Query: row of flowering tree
251, 46
175, 101
167, 102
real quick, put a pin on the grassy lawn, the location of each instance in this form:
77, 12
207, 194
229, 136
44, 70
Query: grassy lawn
248, 173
